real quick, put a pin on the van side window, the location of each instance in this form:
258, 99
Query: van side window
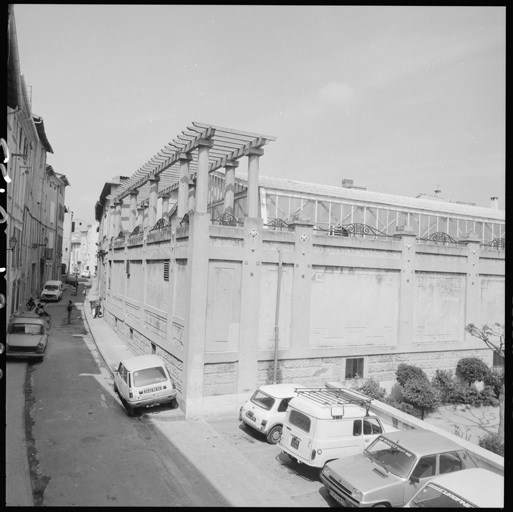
357, 428
122, 372
371, 426
283, 405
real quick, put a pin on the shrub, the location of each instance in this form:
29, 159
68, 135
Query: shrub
421, 394
494, 378
406, 372
492, 443
372, 389
404, 407
445, 383
471, 369
473, 397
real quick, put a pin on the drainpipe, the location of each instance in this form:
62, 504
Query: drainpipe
277, 320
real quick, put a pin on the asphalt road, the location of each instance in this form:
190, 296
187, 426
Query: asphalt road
83, 449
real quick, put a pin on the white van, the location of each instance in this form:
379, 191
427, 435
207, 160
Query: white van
265, 410
324, 424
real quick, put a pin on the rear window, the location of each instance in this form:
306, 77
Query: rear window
26, 329
435, 496
149, 376
263, 400
300, 420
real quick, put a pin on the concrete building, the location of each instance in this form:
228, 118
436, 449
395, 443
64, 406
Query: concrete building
35, 192
237, 279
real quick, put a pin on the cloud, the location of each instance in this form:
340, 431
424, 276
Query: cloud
339, 93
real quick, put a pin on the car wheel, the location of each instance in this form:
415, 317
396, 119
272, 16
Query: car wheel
381, 505
174, 404
274, 434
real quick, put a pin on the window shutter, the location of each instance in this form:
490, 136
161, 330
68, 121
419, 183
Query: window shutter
166, 270
128, 267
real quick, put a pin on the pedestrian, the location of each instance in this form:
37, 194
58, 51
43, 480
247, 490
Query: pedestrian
70, 309
40, 310
98, 308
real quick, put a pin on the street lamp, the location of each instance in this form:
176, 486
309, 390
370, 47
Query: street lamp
45, 242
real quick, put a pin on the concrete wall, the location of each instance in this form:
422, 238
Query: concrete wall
387, 301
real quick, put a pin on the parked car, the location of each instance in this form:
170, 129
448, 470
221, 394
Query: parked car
144, 381
52, 290
472, 488
27, 337
71, 278
324, 424
265, 410
86, 273
393, 468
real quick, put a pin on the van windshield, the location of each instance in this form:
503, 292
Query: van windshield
149, 376
391, 456
51, 287
262, 400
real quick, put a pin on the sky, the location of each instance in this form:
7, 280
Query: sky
402, 100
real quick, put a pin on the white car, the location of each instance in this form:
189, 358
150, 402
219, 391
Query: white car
52, 290
86, 273
265, 411
27, 337
471, 488
144, 381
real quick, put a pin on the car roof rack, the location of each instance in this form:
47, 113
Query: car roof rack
335, 396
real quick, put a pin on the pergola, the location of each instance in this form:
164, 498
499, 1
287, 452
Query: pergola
198, 150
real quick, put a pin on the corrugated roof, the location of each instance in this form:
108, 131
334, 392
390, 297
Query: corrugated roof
372, 198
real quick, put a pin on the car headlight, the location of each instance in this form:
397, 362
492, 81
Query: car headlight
326, 471
356, 494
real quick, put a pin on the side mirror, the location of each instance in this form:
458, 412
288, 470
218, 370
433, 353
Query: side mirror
414, 479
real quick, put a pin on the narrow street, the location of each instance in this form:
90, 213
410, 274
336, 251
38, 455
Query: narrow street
83, 449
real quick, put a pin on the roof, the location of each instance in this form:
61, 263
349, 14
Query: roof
140, 362
480, 487
227, 144
53, 282
378, 198
422, 442
29, 319
280, 390
40, 127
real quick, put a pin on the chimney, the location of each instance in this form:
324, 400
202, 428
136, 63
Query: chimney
494, 203
347, 183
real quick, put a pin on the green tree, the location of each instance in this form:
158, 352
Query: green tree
421, 394
472, 369
493, 337
405, 372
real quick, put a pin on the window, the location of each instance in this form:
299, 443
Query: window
149, 376
371, 426
262, 400
166, 270
425, 467
449, 462
357, 428
283, 405
354, 368
300, 420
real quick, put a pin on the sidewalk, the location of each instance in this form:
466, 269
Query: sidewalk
228, 470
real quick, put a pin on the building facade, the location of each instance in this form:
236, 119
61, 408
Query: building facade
243, 280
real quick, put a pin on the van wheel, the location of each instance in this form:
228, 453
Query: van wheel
130, 410
381, 505
274, 434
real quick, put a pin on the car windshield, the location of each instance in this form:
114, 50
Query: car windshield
263, 400
149, 376
51, 287
26, 329
391, 456
435, 496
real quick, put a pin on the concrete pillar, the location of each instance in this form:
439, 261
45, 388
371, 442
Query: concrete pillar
140, 216
253, 202
152, 203
132, 219
473, 288
145, 224
229, 186
204, 146
183, 185
119, 226
406, 328
191, 200
165, 204
110, 220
